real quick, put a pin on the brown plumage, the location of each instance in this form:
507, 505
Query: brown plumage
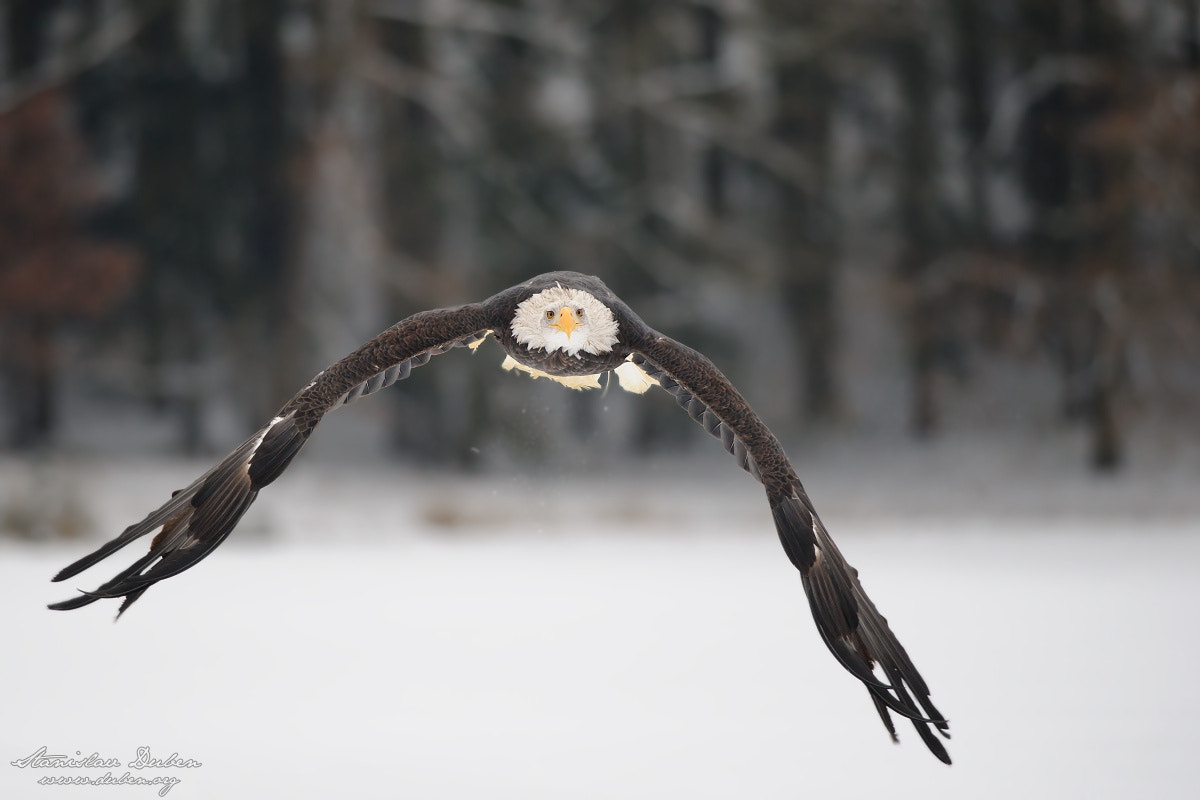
198, 518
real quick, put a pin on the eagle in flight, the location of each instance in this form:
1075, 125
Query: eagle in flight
571, 328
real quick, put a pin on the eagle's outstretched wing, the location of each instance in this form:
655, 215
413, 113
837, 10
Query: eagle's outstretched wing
198, 518
853, 629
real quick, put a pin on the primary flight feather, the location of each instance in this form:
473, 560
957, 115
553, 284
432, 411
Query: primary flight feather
571, 328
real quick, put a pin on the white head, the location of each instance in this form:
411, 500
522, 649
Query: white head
565, 319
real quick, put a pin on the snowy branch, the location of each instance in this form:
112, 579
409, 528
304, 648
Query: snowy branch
1024, 90
538, 29
113, 35
786, 163
437, 95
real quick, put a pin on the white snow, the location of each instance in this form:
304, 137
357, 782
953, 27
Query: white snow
375, 633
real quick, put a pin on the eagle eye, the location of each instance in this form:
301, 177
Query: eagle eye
549, 313
579, 313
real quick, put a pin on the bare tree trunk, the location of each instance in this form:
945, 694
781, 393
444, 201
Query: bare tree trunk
34, 383
918, 211
973, 57
334, 301
807, 242
1191, 33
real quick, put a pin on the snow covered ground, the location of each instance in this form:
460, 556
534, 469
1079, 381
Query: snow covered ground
377, 634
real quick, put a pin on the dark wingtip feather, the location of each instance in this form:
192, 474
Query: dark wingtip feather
92, 558
852, 628
129, 600
179, 501
932, 742
884, 715
193, 523
75, 602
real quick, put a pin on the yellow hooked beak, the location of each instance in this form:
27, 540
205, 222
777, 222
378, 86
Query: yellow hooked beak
565, 321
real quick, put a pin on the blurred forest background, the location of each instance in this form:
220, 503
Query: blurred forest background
906, 218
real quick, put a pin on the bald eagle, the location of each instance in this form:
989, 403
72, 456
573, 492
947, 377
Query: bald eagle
571, 328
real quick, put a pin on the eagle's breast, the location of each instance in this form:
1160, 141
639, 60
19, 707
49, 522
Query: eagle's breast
558, 362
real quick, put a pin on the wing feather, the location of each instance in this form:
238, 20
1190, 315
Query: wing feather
199, 517
852, 628
699, 411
